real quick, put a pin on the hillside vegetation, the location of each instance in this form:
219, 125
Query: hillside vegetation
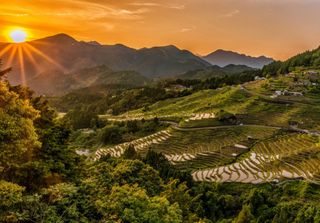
45, 181
215, 71
69, 55
308, 59
212, 150
59, 83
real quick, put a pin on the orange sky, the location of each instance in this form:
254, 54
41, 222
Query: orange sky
276, 28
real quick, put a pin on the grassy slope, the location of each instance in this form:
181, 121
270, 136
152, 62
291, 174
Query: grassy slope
251, 109
202, 101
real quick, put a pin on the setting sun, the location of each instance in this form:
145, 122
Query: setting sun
18, 36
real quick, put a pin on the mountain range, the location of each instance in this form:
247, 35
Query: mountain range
223, 58
64, 53
215, 71
60, 60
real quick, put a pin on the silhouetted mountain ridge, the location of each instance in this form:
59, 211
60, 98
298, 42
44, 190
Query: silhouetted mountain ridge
215, 71
63, 52
223, 58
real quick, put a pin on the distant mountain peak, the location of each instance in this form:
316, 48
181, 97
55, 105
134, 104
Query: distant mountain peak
73, 55
166, 47
220, 51
95, 43
171, 47
223, 58
60, 38
237, 66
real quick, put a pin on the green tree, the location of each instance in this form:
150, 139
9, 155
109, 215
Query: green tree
10, 196
190, 205
18, 137
136, 172
131, 153
245, 215
81, 117
61, 162
131, 204
306, 214
110, 135
286, 212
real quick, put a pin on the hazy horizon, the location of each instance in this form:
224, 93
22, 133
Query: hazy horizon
88, 41
252, 27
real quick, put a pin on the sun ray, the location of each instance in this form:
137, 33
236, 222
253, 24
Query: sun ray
30, 57
6, 49
11, 56
35, 50
22, 68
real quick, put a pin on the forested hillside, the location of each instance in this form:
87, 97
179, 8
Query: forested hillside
65, 54
215, 71
117, 99
44, 180
310, 59
56, 82
131, 111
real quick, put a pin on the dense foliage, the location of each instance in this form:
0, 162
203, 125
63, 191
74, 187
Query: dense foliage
85, 104
218, 81
33, 145
89, 102
309, 59
110, 133
43, 180
214, 71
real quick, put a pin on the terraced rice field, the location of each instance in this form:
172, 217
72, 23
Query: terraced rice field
248, 154
201, 116
200, 120
141, 145
191, 149
289, 156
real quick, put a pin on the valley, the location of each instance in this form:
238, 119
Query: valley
233, 134
171, 111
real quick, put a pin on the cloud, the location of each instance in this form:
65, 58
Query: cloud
231, 14
183, 30
187, 29
93, 10
145, 4
152, 4
83, 9
178, 7
14, 14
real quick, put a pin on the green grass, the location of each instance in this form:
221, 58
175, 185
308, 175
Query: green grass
251, 109
202, 101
